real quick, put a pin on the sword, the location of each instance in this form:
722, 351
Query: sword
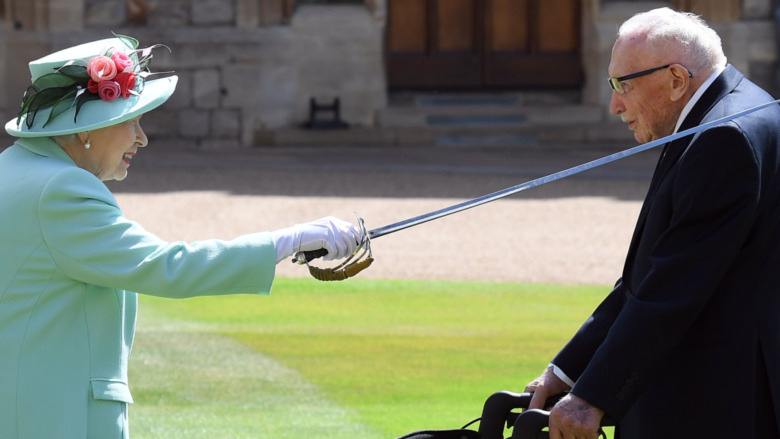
303, 257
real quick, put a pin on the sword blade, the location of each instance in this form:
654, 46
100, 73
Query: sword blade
411, 222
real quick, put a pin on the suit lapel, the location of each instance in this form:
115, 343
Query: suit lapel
723, 85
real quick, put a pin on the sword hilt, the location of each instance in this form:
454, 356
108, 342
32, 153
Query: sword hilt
308, 256
304, 257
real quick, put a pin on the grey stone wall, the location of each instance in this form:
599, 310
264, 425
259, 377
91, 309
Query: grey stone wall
251, 66
242, 66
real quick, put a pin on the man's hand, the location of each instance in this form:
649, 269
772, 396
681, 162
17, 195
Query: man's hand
545, 387
574, 418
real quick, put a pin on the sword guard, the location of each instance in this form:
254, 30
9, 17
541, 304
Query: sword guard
358, 261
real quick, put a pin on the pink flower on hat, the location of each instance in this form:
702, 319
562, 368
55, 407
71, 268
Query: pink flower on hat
101, 68
105, 77
126, 81
122, 61
92, 86
109, 90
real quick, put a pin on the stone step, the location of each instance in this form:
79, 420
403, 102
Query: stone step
470, 120
464, 136
489, 115
485, 98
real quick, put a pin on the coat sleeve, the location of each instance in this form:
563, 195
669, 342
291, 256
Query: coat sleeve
92, 242
575, 356
714, 197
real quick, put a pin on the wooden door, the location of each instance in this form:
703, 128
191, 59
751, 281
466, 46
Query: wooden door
483, 44
433, 43
533, 43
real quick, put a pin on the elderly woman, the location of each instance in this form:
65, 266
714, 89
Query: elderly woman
71, 262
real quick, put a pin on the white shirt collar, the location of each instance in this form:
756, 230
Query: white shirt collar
696, 96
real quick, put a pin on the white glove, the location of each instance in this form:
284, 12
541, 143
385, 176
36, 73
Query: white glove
339, 238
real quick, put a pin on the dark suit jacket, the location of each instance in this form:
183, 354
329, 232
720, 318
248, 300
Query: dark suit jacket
681, 346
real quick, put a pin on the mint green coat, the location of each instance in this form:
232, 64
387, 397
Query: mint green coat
70, 265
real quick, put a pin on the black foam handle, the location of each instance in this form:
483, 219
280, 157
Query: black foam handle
497, 412
530, 424
311, 255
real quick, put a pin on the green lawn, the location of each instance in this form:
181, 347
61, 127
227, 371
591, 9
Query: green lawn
356, 359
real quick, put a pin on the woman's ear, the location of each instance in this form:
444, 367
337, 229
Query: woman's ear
680, 81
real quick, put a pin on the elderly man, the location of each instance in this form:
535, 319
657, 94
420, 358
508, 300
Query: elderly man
687, 344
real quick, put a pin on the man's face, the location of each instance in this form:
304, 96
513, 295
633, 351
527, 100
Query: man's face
646, 106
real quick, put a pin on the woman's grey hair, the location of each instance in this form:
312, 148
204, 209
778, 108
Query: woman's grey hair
679, 34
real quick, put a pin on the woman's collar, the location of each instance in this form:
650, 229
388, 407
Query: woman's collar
44, 146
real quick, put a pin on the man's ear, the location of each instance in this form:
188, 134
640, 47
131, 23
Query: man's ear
680, 81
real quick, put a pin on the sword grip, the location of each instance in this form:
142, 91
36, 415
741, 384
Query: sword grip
310, 255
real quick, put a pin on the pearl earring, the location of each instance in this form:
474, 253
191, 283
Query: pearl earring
87, 145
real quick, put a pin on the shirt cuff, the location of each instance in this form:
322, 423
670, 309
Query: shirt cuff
562, 376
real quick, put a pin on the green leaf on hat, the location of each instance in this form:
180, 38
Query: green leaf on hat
129, 41
62, 105
25, 103
53, 80
38, 100
82, 99
79, 73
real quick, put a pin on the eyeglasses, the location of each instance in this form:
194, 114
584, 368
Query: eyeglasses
616, 83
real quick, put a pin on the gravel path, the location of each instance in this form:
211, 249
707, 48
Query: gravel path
571, 231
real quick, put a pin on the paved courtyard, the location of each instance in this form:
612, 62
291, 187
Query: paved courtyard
571, 231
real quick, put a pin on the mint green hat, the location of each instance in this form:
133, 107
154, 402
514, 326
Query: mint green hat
73, 92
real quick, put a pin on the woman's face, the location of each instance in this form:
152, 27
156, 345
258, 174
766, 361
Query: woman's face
112, 148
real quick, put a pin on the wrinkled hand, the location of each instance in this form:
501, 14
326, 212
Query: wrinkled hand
339, 238
574, 418
545, 387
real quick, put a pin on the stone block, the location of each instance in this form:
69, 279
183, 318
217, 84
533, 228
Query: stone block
200, 55
213, 12
756, 9
736, 41
206, 88
160, 122
219, 144
176, 143
763, 42
765, 74
14, 72
194, 123
354, 72
267, 86
247, 14
226, 124
182, 97
6, 139
105, 13
66, 15
168, 13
